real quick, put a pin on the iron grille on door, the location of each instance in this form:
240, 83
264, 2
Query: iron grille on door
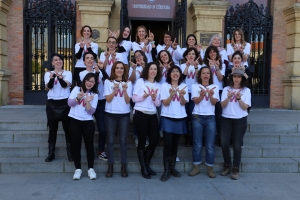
257, 25
49, 28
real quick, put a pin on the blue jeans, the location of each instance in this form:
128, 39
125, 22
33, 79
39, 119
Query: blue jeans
112, 122
189, 107
99, 116
235, 128
204, 124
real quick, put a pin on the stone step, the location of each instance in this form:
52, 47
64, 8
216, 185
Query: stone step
37, 165
22, 150
42, 136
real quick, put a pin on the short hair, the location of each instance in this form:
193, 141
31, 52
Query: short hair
86, 53
207, 51
197, 54
198, 76
145, 72
211, 39
81, 31
112, 37
87, 77
161, 42
143, 54
137, 39
120, 38
169, 80
190, 35
58, 55
113, 75
237, 53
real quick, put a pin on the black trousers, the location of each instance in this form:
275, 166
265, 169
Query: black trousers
146, 126
171, 144
85, 129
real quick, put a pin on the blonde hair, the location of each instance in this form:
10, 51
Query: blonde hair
137, 39
241, 32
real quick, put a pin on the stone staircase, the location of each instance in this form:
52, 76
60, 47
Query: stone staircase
268, 148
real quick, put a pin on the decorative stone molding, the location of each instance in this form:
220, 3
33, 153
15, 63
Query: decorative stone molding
291, 81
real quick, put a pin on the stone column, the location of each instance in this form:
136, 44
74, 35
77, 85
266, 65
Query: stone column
96, 13
4, 72
291, 79
208, 18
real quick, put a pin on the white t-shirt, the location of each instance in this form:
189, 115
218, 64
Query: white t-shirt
138, 73
80, 63
233, 109
58, 92
201, 52
175, 109
100, 82
204, 107
127, 46
230, 51
215, 77
136, 46
163, 76
78, 112
191, 75
119, 57
176, 54
151, 88
118, 104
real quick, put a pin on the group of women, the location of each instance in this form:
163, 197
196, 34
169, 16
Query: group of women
165, 95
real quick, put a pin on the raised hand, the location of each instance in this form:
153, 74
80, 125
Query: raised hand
80, 94
172, 91
181, 92
202, 92
125, 86
116, 86
146, 94
89, 97
198, 47
88, 44
174, 44
211, 92
211, 62
230, 94
238, 95
196, 62
52, 75
106, 54
133, 65
217, 63
100, 65
151, 36
168, 65
81, 43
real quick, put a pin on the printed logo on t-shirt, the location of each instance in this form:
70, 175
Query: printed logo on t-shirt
147, 49
233, 98
109, 62
176, 98
139, 72
81, 101
152, 90
164, 74
191, 74
119, 92
213, 71
56, 79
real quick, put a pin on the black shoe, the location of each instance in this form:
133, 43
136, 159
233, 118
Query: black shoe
167, 164
144, 171
148, 157
173, 171
51, 155
124, 170
110, 170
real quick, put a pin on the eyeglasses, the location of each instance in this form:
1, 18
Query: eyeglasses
137, 56
111, 43
91, 82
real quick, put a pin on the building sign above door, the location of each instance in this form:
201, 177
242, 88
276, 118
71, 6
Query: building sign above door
151, 8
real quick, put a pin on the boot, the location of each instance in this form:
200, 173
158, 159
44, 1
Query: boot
210, 172
70, 159
144, 171
167, 165
226, 170
110, 170
235, 173
195, 170
124, 170
51, 154
173, 171
148, 157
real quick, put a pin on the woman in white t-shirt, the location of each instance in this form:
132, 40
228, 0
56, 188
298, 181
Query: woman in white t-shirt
212, 59
165, 61
191, 41
144, 41
85, 45
235, 100
168, 43
124, 43
216, 41
193, 63
174, 95
146, 96
58, 82
117, 91
205, 94
110, 56
83, 102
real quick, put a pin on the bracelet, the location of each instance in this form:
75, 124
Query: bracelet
238, 99
77, 99
196, 67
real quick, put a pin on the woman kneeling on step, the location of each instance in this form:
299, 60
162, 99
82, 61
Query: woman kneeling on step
205, 95
235, 100
174, 95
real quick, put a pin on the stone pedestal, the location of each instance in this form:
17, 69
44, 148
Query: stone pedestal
4, 72
291, 79
96, 13
208, 17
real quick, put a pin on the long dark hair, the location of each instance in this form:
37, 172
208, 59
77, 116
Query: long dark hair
169, 80
161, 42
120, 38
87, 77
198, 77
207, 51
190, 35
169, 55
197, 54
145, 72
113, 75
144, 57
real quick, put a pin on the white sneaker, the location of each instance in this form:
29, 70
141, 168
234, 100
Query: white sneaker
136, 141
147, 143
92, 174
77, 174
